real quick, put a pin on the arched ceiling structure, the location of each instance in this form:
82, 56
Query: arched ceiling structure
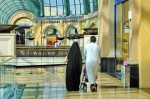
9, 7
20, 15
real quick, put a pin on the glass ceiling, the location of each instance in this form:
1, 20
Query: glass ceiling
8, 7
42, 8
69, 7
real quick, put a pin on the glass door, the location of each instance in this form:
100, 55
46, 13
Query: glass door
122, 42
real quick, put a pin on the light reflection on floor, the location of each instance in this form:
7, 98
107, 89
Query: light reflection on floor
49, 83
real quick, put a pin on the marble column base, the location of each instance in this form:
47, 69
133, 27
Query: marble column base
111, 66
104, 64
134, 75
108, 65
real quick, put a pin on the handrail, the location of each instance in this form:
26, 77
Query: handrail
49, 46
41, 47
9, 57
41, 52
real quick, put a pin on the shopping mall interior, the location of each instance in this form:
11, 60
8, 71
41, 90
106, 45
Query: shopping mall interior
31, 67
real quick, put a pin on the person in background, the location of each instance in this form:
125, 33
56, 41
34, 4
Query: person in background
92, 59
37, 43
56, 44
74, 68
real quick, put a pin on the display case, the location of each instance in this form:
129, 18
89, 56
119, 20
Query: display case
122, 42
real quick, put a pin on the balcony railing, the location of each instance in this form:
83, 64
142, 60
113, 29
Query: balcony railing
41, 51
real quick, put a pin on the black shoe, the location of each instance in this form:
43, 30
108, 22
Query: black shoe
96, 86
93, 87
84, 87
86, 80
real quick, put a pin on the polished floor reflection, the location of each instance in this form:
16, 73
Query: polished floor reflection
49, 83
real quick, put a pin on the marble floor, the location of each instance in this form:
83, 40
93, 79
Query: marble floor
49, 83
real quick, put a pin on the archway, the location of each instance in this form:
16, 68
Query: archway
22, 33
50, 35
71, 30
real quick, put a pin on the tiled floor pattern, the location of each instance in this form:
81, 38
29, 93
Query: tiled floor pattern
146, 90
49, 83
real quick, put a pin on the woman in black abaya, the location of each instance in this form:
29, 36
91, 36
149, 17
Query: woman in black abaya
74, 67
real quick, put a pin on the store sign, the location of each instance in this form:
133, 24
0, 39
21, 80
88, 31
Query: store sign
119, 1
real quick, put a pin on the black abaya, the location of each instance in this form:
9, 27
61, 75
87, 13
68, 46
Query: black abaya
74, 67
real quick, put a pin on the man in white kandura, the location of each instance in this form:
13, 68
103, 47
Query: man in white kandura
92, 56
56, 44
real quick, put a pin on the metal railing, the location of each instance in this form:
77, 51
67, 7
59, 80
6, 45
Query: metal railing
7, 77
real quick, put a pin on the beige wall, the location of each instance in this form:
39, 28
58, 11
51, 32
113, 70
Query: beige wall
139, 49
144, 44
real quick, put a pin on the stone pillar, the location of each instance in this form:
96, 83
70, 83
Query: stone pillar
8, 44
106, 36
104, 27
27, 34
133, 26
68, 41
81, 42
133, 47
45, 42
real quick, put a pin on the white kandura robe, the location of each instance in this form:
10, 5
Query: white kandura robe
92, 56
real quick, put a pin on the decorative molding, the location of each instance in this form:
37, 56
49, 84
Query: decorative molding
59, 19
42, 53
